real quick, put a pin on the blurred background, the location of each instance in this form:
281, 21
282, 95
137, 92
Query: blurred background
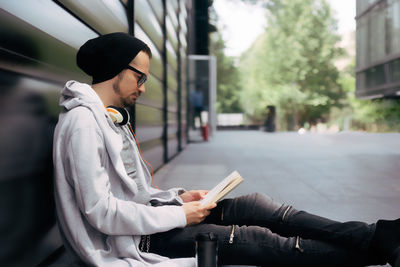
316, 65
302, 66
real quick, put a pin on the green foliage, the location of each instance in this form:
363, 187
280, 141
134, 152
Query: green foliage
228, 80
291, 64
358, 114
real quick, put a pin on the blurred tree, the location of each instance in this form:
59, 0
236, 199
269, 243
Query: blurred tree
228, 80
359, 114
291, 65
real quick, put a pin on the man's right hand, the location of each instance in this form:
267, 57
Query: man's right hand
195, 213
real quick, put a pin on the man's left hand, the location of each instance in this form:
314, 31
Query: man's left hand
193, 195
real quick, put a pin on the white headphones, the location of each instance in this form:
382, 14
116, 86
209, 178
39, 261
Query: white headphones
118, 115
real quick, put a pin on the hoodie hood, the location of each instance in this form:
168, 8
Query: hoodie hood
76, 94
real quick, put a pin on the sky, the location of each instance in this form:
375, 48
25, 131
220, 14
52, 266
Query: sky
242, 23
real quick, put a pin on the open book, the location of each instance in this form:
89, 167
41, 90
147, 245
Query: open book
223, 188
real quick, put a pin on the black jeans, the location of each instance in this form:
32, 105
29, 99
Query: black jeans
266, 233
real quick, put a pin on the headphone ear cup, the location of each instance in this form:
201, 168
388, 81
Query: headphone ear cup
125, 116
118, 115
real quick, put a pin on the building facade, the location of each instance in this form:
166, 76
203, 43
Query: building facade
38, 44
378, 49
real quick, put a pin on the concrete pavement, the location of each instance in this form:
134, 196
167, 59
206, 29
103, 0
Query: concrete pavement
344, 176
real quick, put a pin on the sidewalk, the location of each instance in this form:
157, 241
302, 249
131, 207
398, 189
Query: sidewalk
344, 176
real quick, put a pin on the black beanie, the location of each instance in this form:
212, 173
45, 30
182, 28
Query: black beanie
106, 56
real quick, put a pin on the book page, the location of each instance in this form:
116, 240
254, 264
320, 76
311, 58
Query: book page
212, 194
232, 185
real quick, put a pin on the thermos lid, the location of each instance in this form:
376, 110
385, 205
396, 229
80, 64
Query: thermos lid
206, 237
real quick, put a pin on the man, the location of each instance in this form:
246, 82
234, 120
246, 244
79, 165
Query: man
110, 215
196, 99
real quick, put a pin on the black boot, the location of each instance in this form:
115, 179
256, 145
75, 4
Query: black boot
386, 241
395, 258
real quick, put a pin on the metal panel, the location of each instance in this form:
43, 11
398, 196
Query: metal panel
184, 107
148, 21
182, 39
152, 149
172, 81
29, 112
56, 22
157, 6
172, 14
149, 122
183, 80
153, 95
38, 45
156, 65
154, 155
183, 14
149, 132
41, 40
183, 87
148, 116
172, 146
172, 134
172, 101
172, 58
182, 23
172, 123
175, 5
21, 64
172, 45
95, 13
183, 59
149, 16
171, 34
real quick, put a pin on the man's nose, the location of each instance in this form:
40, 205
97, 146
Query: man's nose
142, 89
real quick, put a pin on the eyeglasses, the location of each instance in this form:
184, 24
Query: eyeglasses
143, 77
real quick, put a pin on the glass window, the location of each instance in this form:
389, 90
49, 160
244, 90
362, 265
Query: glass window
362, 42
393, 27
395, 70
375, 76
377, 34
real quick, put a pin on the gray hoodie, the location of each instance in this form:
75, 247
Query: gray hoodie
98, 219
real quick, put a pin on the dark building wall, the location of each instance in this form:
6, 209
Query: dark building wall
161, 112
378, 48
202, 26
39, 40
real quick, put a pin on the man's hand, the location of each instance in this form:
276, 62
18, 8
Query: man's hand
195, 213
193, 195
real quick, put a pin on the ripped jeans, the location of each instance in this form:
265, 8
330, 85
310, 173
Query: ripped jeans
255, 230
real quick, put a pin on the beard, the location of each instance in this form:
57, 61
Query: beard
125, 102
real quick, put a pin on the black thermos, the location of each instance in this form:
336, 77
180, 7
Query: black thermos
206, 250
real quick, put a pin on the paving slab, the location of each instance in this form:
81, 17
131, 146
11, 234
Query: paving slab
343, 176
